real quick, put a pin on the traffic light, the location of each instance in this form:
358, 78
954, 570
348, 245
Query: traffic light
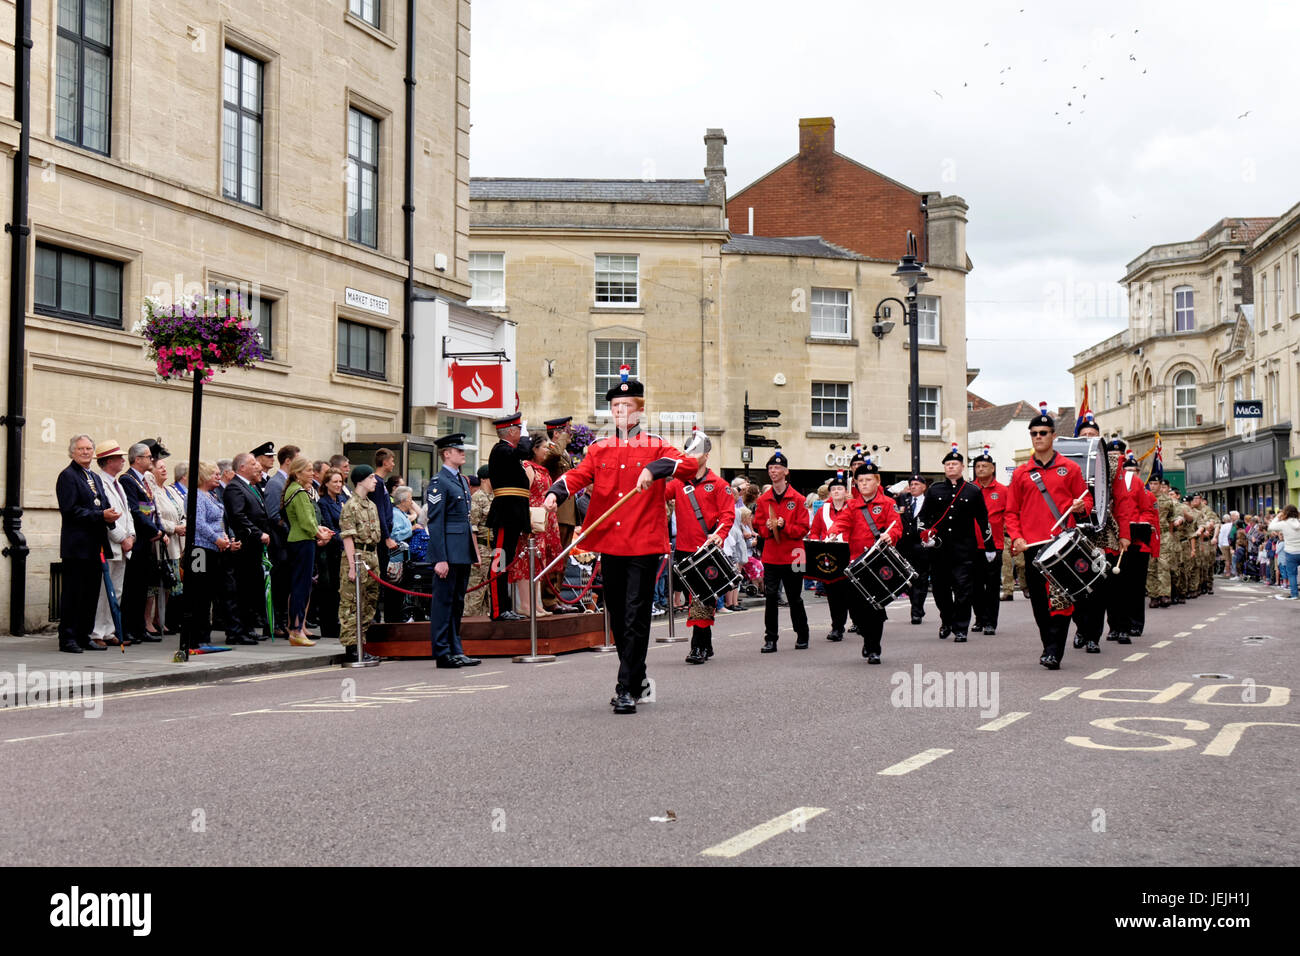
756, 418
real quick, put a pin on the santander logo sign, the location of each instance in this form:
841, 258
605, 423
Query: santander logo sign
477, 392
475, 386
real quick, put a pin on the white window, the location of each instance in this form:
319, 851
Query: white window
1277, 293
83, 73
367, 10
487, 277
241, 128
1184, 400
363, 179
1184, 314
1119, 389
1295, 282
452, 425
830, 313
929, 414
1105, 404
830, 405
611, 354
1218, 298
1238, 388
617, 280
1273, 389
927, 319
1263, 301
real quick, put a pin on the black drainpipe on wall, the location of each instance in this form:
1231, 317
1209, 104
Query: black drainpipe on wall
408, 216
13, 419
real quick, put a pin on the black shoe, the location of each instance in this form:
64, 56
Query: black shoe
916, 618
350, 655
959, 637
708, 652
977, 627
448, 661
467, 661
944, 631
623, 703
873, 658
801, 644
769, 647
853, 629
70, 648
1093, 648
1079, 641
144, 637
1050, 662
1123, 639
241, 639
989, 631
835, 636
696, 656
510, 616
1135, 632
1112, 636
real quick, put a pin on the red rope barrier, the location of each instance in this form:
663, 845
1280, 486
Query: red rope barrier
394, 587
581, 594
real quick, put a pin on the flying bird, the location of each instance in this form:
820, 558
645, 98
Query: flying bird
1245, 114
1132, 57
937, 93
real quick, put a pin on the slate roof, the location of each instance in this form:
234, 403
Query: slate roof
999, 416
1249, 228
669, 191
814, 246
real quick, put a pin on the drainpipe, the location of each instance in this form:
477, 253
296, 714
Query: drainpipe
408, 217
13, 419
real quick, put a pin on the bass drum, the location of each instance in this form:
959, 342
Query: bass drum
1090, 455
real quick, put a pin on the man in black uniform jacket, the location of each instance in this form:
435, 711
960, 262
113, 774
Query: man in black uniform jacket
955, 521
508, 517
909, 507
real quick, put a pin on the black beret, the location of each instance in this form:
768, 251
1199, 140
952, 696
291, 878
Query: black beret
953, 455
1042, 418
778, 458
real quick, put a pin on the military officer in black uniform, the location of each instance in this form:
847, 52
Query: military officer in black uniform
265, 455
508, 517
955, 529
909, 508
452, 549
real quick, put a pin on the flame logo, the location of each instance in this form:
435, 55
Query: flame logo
477, 392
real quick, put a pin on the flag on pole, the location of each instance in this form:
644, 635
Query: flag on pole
1157, 463
1085, 413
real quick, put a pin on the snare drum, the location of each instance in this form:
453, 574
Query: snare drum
1072, 563
880, 574
707, 573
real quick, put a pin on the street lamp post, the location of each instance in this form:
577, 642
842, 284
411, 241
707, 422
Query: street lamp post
912, 275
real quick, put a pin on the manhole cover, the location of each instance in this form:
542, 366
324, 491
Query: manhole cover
1256, 638
1214, 676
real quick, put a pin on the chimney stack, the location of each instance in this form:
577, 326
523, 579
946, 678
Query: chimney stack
816, 137
715, 173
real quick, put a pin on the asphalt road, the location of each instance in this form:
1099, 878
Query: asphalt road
801, 757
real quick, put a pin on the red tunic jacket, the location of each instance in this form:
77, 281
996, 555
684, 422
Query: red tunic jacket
789, 506
716, 505
851, 523
612, 466
1124, 500
995, 500
1027, 515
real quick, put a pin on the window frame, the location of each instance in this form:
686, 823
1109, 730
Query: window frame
847, 414
920, 323
81, 41
596, 271
470, 270
1190, 309
1295, 283
1279, 293
378, 8
1263, 300
1179, 408
598, 393
814, 317
89, 317
241, 113
449, 423
361, 165
938, 409
342, 369
248, 294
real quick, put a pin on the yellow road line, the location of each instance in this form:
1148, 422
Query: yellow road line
16, 740
914, 762
1104, 672
1183, 634
763, 832
310, 670
1135, 657
1061, 694
1003, 721
1161, 644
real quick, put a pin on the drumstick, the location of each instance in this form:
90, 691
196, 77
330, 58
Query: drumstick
1115, 569
1068, 511
883, 537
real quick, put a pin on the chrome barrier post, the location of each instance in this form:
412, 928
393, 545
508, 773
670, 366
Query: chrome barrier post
608, 646
359, 568
672, 637
533, 593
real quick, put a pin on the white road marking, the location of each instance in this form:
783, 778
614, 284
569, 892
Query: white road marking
1135, 657
914, 762
1104, 672
16, 740
121, 695
261, 677
1183, 634
484, 674
1161, 644
550, 663
1061, 694
1197, 627
763, 832
1003, 721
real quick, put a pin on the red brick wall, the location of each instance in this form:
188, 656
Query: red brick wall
820, 193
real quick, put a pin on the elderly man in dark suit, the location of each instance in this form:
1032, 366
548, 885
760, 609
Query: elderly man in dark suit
246, 515
87, 516
909, 510
141, 568
452, 550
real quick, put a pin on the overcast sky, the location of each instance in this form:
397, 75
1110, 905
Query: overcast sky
1068, 175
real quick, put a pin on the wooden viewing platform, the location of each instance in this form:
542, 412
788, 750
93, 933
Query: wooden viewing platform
483, 637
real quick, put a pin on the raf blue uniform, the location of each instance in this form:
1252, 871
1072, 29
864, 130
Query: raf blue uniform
447, 501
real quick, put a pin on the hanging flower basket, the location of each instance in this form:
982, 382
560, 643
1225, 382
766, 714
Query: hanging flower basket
203, 335
582, 437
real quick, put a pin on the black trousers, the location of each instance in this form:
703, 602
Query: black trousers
1090, 609
224, 615
774, 577
988, 590
141, 574
629, 585
301, 563
505, 541
82, 580
326, 598
919, 559
448, 607
952, 575
849, 602
1133, 581
249, 606
202, 584
1053, 629
281, 585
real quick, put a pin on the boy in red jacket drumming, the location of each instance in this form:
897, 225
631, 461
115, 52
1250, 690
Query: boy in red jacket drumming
860, 524
782, 521
820, 530
705, 513
631, 541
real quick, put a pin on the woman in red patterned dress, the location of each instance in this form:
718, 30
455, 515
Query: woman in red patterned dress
548, 542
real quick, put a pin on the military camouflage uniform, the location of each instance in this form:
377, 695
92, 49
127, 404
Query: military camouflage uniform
476, 601
1158, 570
1013, 570
1180, 565
360, 522
1209, 546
